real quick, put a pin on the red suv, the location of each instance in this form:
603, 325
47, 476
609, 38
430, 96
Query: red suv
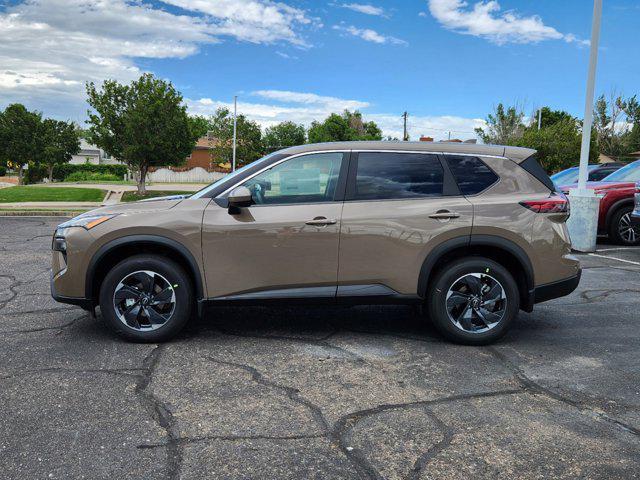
617, 192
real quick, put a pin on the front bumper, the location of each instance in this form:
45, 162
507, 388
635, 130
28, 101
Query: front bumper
557, 289
635, 219
83, 303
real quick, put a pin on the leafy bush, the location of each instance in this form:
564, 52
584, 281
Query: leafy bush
60, 172
82, 176
35, 173
3, 171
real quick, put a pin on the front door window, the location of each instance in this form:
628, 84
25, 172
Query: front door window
305, 179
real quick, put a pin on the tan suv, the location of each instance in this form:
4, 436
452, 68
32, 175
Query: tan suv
472, 232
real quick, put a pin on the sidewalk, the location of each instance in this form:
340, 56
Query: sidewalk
114, 187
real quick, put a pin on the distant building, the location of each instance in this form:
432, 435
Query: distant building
426, 139
93, 154
201, 154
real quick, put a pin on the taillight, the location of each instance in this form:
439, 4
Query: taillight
555, 204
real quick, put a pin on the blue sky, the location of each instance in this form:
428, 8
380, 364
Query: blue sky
446, 62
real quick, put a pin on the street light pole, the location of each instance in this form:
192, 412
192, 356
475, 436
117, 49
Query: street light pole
583, 222
588, 103
235, 126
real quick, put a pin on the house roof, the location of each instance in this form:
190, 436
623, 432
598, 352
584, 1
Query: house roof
204, 143
517, 154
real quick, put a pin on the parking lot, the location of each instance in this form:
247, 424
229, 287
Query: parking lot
326, 393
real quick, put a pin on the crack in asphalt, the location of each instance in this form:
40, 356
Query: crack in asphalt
131, 372
321, 342
160, 412
447, 437
343, 427
232, 438
292, 393
532, 386
60, 328
15, 284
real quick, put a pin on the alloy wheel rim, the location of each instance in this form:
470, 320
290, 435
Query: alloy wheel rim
144, 300
626, 229
476, 303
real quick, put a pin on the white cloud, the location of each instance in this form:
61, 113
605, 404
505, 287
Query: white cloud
369, 35
306, 107
258, 21
50, 48
365, 8
485, 20
327, 103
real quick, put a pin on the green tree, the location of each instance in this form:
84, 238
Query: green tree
284, 134
248, 138
504, 126
143, 124
558, 144
346, 127
60, 141
607, 115
550, 117
20, 137
200, 125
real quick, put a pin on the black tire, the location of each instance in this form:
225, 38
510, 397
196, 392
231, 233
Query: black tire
448, 277
619, 221
166, 269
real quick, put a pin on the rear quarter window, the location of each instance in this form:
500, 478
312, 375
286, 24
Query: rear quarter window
532, 166
472, 174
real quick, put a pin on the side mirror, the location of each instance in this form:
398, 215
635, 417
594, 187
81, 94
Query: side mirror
239, 197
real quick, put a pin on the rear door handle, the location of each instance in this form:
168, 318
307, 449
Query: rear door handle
321, 221
444, 215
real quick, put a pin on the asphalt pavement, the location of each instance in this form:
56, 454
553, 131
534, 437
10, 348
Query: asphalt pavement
318, 393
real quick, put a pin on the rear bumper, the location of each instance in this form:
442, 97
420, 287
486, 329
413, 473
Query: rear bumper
83, 303
557, 289
635, 219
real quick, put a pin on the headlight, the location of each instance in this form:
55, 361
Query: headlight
86, 221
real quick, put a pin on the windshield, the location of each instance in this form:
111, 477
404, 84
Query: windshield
208, 188
569, 176
630, 173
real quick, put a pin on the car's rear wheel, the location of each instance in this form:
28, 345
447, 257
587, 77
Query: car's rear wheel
622, 230
146, 298
473, 301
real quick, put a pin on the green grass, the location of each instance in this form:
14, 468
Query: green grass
50, 194
133, 196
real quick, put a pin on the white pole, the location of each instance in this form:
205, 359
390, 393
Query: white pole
539, 118
588, 103
235, 124
583, 222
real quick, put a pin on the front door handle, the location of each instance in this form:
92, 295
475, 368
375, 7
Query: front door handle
321, 221
444, 215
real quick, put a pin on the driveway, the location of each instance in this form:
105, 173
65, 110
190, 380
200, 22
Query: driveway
322, 393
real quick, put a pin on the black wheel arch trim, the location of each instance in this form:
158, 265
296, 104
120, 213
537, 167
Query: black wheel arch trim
148, 239
613, 209
475, 240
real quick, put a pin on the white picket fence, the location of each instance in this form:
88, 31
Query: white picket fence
195, 175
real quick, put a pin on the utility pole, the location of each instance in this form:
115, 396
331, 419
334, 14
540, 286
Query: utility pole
583, 222
449, 135
539, 118
405, 137
235, 125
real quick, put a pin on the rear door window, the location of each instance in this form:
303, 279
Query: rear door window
390, 175
471, 173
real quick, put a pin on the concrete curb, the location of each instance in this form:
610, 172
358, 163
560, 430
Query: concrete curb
41, 213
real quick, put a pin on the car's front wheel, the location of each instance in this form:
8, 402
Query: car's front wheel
473, 301
622, 230
146, 298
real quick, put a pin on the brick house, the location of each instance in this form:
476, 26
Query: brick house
201, 154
